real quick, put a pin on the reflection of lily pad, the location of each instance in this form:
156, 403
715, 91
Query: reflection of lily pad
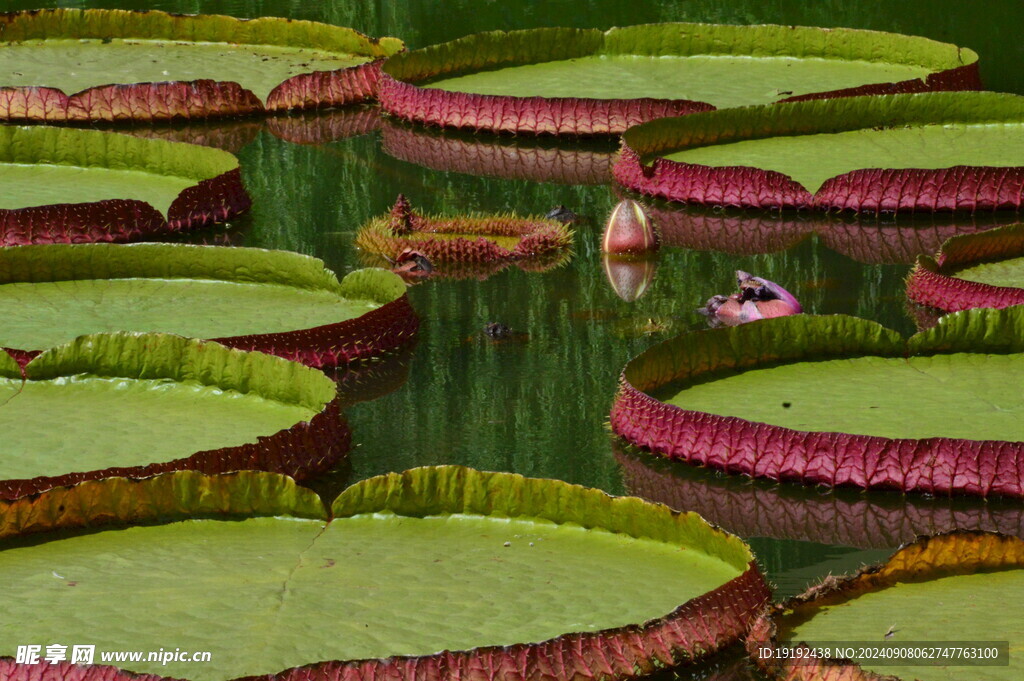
274, 301
66, 185
463, 240
87, 65
974, 270
938, 589
586, 82
140, 404
929, 152
758, 508
512, 158
304, 127
509, 572
868, 238
799, 398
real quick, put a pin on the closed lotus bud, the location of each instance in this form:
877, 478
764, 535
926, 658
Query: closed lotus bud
630, 277
629, 230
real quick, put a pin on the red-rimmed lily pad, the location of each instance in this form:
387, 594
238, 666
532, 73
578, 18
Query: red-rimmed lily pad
938, 589
839, 401
64, 65
63, 185
759, 508
589, 82
465, 240
974, 270
516, 158
274, 301
140, 404
431, 574
926, 152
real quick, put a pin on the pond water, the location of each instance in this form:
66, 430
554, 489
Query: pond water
538, 404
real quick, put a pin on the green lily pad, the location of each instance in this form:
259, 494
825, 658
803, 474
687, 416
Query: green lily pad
562, 80
839, 401
52, 293
927, 152
938, 589
722, 81
123, 400
972, 270
1008, 273
961, 395
72, 65
157, 65
812, 159
412, 564
62, 184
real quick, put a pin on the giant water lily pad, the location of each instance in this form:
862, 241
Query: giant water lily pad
799, 399
842, 517
112, 65
139, 404
938, 589
67, 185
427, 574
973, 270
587, 82
927, 152
274, 301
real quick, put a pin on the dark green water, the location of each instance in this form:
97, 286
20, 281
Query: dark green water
539, 406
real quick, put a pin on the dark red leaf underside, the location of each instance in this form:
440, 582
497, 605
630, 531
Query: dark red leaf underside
326, 89
302, 451
960, 188
191, 100
940, 466
536, 115
492, 159
950, 294
65, 671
